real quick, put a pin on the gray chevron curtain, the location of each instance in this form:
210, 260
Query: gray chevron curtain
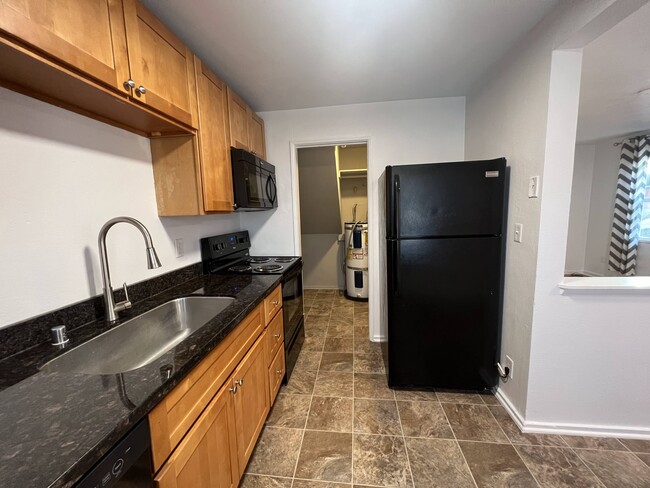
628, 205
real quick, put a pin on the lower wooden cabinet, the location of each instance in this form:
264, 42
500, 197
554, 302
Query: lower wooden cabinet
276, 373
251, 401
207, 456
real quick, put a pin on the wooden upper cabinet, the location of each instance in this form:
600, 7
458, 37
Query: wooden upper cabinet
87, 35
214, 141
252, 402
256, 135
238, 118
207, 456
161, 64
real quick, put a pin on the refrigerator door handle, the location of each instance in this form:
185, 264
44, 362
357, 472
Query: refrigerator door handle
397, 215
396, 268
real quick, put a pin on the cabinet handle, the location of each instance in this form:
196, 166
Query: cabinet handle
129, 84
276, 302
277, 336
233, 390
141, 90
239, 382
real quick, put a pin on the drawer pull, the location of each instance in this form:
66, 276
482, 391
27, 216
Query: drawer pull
233, 389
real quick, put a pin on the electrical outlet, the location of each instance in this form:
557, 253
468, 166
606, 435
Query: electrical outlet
519, 232
178, 244
510, 364
533, 187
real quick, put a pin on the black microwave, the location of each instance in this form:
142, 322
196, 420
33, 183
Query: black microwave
253, 182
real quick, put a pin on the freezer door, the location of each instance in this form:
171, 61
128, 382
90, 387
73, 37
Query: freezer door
444, 298
445, 199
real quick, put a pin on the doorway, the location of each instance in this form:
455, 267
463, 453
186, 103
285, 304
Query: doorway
333, 196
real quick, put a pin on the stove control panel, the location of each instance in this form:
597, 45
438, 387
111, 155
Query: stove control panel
224, 244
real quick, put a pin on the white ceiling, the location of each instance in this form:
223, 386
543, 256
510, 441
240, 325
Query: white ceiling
283, 54
615, 86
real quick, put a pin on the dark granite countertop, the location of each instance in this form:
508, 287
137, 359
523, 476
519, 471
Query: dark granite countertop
54, 427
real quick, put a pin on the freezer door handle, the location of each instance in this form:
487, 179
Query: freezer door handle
396, 268
396, 216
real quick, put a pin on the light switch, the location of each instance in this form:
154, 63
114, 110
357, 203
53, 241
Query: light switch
519, 231
533, 187
178, 244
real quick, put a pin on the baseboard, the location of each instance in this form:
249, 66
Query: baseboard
532, 427
624, 432
510, 408
321, 288
378, 338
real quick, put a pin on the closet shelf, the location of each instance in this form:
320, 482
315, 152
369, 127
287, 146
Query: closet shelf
353, 173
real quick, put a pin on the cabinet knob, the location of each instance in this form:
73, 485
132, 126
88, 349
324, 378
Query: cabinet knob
276, 302
233, 389
277, 336
129, 84
234, 205
239, 382
141, 90
279, 371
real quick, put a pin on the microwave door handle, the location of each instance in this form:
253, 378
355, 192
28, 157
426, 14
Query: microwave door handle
275, 189
268, 192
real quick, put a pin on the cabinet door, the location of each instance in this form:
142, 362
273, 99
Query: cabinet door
207, 457
161, 64
251, 400
256, 135
214, 141
238, 116
85, 34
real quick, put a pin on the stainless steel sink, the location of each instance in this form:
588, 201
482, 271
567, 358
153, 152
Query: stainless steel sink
141, 340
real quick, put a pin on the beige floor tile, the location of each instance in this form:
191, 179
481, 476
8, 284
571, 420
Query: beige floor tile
458, 397
335, 384
496, 466
489, 399
289, 411
617, 469
600, 443
645, 458
300, 383
380, 461
336, 361
637, 445
257, 481
376, 417
340, 330
276, 452
313, 343
473, 423
308, 360
438, 463
325, 456
416, 395
557, 467
318, 484
330, 413
338, 344
516, 436
368, 385
424, 419
368, 363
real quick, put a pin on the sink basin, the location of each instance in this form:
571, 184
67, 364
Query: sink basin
141, 340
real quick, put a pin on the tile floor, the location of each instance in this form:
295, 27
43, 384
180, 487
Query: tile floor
337, 424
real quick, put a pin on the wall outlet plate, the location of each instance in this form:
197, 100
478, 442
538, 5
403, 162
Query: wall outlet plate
519, 232
510, 364
178, 245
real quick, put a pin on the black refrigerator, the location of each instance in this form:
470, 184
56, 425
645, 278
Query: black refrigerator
445, 226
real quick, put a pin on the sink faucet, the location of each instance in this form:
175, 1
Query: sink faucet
152, 262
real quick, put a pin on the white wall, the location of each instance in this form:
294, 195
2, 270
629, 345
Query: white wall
402, 132
507, 115
61, 177
583, 173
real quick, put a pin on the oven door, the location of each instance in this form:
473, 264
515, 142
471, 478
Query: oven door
292, 301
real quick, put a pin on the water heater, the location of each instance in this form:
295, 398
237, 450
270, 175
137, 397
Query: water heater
356, 260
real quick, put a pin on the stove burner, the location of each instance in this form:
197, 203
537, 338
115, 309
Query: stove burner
240, 268
283, 260
258, 260
269, 268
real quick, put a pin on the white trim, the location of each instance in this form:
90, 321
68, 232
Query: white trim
590, 430
532, 427
510, 408
606, 283
378, 338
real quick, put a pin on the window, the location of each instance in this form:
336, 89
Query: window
644, 232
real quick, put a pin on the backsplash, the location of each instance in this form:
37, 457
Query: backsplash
36, 330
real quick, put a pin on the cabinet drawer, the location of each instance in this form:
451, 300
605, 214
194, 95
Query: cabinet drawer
274, 337
273, 303
174, 415
276, 373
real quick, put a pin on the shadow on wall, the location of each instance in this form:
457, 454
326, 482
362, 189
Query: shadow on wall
28, 119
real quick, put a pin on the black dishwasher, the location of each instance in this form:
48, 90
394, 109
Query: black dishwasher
127, 465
